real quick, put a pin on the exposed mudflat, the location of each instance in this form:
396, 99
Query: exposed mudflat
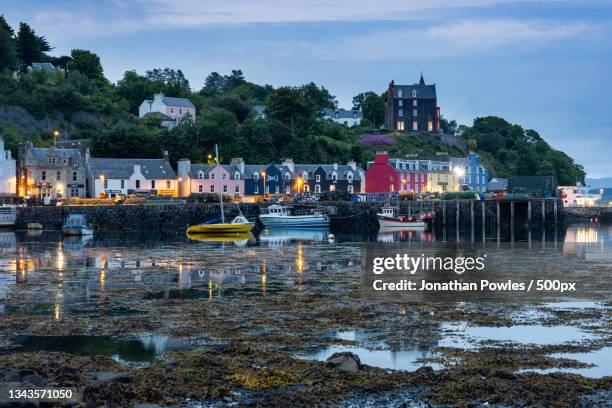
251, 323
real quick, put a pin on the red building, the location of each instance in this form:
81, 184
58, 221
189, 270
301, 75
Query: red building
386, 175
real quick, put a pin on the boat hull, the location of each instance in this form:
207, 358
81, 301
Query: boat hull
390, 224
219, 229
294, 221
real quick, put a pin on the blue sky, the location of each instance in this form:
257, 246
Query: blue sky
546, 65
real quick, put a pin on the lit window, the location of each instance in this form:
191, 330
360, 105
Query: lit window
400, 125
430, 126
332, 188
414, 103
415, 125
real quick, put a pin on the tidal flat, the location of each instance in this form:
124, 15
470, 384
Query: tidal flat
140, 317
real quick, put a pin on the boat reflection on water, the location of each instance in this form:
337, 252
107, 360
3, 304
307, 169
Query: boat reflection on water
589, 241
279, 237
238, 239
393, 234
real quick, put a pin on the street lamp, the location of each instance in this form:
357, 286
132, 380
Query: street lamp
56, 134
263, 175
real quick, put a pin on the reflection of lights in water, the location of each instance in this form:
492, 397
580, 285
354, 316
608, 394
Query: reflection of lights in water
102, 271
58, 305
61, 259
210, 288
582, 235
299, 260
264, 278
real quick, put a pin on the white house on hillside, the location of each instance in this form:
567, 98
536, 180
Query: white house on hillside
114, 177
344, 117
8, 182
174, 108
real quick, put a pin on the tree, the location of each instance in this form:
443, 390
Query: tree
30, 47
136, 88
214, 85
175, 81
87, 63
8, 57
372, 106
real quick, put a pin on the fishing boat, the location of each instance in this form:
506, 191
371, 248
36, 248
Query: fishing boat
280, 216
76, 224
239, 224
391, 219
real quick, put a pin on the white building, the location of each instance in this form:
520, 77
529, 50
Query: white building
115, 177
344, 117
578, 196
8, 168
174, 109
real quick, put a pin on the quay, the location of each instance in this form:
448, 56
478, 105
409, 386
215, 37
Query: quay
345, 215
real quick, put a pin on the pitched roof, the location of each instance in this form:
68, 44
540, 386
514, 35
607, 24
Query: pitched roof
40, 154
124, 168
162, 116
183, 102
194, 169
342, 113
422, 91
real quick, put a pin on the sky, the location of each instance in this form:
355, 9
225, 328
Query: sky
545, 65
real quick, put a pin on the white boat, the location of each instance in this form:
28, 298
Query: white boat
76, 224
279, 216
390, 220
8, 215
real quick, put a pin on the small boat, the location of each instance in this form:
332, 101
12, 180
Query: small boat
8, 215
238, 238
239, 225
390, 219
279, 216
76, 224
34, 226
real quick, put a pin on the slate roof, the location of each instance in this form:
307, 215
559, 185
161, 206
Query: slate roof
342, 113
151, 169
41, 154
183, 102
194, 169
162, 116
46, 66
342, 170
498, 184
423, 91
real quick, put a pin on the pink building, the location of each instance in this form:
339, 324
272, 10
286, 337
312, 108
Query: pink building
170, 109
202, 178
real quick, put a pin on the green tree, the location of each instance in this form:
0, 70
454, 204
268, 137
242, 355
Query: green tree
30, 47
372, 106
87, 63
8, 57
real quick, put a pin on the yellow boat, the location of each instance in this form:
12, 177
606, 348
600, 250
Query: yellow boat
230, 237
239, 225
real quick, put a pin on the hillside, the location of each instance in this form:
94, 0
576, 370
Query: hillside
80, 102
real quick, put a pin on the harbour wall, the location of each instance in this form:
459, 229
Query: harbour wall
344, 215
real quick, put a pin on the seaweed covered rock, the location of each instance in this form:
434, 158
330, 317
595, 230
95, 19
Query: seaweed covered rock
344, 361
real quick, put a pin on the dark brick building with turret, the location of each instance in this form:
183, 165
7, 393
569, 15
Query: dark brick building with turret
412, 108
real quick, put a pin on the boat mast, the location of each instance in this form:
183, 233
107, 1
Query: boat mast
216, 179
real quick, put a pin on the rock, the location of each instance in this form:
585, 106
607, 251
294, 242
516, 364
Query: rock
21, 375
345, 361
504, 374
425, 371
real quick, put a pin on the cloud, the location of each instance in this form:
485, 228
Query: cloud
444, 40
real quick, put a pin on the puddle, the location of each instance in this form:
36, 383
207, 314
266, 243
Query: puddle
602, 360
572, 305
141, 350
465, 336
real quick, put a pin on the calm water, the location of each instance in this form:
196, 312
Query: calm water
50, 275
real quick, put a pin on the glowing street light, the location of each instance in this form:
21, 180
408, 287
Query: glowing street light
263, 175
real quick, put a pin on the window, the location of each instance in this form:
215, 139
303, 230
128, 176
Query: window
43, 175
212, 176
277, 189
307, 188
200, 175
414, 103
224, 176
287, 190
414, 93
74, 176
318, 178
152, 184
429, 126
225, 188
168, 184
400, 125
334, 176
317, 188
256, 176
349, 177
237, 189
212, 188
171, 110
256, 190
105, 184
414, 113
400, 93
58, 175
350, 189
415, 125
400, 113
200, 188
74, 192
332, 188
400, 103
237, 175
305, 176
137, 183
181, 111
122, 184
287, 176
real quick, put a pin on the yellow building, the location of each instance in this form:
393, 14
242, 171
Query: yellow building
442, 181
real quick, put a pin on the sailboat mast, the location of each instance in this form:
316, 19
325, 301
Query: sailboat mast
216, 179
